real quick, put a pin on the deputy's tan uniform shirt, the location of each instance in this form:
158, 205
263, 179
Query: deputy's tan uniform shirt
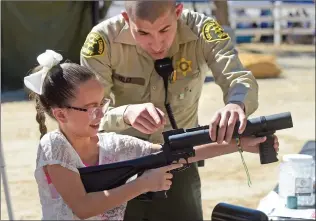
128, 71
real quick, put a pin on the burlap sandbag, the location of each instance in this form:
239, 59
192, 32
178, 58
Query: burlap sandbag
262, 66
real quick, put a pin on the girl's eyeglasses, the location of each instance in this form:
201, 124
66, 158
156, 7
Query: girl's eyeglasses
93, 112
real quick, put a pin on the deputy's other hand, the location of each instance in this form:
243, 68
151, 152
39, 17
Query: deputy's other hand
225, 119
144, 117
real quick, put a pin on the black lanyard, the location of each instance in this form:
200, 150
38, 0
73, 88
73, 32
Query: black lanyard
164, 68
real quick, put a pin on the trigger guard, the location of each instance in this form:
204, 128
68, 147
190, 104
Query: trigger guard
185, 159
185, 166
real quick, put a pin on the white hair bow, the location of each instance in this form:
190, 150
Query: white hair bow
47, 60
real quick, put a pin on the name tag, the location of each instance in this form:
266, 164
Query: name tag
129, 80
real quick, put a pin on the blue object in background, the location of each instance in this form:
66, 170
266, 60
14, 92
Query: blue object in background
291, 202
243, 25
298, 1
266, 12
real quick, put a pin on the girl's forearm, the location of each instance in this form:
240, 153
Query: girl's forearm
97, 203
212, 150
206, 151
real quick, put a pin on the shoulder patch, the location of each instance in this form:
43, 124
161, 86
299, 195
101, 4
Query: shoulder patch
212, 31
94, 45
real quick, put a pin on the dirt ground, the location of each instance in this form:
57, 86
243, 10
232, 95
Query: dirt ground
223, 178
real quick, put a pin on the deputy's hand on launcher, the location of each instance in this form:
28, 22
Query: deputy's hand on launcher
144, 117
226, 119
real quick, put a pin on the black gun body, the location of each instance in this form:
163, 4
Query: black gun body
178, 145
259, 126
229, 212
108, 176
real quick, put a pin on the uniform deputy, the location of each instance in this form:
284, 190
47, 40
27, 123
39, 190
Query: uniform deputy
123, 51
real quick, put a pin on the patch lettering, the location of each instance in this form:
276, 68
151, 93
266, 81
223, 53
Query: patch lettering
93, 46
212, 31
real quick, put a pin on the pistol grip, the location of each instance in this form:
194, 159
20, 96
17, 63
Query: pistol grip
267, 152
160, 195
150, 196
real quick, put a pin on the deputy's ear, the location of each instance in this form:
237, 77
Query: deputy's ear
179, 9
59, 115
125, 16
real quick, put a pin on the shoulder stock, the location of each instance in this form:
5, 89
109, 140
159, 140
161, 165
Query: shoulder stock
109, 176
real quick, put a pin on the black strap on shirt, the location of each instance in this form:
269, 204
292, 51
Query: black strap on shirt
164, 68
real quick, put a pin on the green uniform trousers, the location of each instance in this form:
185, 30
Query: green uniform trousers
183, 203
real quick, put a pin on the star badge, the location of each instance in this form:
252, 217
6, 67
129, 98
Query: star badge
184, 66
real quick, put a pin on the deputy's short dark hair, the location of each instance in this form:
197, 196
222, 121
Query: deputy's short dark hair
148, 10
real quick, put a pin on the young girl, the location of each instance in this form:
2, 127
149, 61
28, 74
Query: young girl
73, 96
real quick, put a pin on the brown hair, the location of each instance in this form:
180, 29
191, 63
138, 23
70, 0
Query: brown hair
58, 89
148, 10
